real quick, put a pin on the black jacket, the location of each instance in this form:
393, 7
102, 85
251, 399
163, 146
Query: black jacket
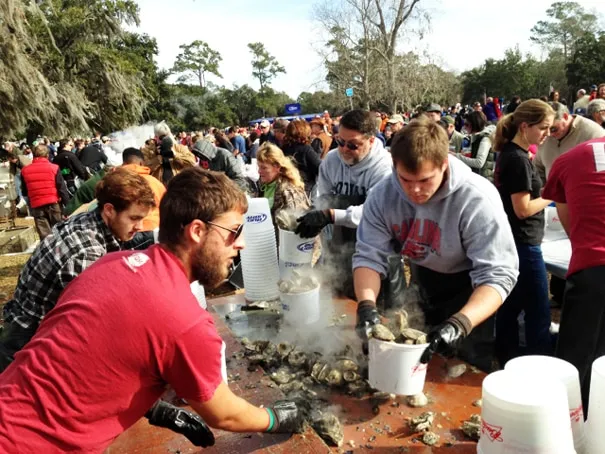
93, 157
70, 165
307, 161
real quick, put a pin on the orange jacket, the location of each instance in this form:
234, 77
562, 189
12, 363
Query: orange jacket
152, 221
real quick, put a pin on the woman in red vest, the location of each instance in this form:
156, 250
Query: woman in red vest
45, 187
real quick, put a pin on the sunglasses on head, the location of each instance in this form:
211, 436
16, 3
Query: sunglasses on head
343, 143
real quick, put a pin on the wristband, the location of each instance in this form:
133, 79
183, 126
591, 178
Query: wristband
462, 322
271, 420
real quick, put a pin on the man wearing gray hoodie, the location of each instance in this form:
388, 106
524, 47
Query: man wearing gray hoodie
346, 176
451, 224
219, 160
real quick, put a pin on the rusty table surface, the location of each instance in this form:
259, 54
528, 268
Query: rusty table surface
366, 430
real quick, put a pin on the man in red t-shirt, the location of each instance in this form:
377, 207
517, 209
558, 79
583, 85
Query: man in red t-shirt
127, 327
577, 184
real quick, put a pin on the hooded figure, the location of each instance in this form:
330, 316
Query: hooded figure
219, 160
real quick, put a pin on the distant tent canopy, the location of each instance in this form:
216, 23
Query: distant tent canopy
307, 117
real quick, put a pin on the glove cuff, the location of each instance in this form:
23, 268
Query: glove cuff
369, 304
462, 322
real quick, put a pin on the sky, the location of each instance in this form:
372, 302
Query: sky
461, 34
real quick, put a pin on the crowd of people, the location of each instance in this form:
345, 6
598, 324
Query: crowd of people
456, 192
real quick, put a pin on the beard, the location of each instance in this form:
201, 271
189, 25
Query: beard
207, 268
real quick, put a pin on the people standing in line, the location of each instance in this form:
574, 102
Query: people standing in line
73, 171
219, 160
320, 139
519, 185
45, 188
433, 111
93, 156
596, 111
396, 123
456, 138
265, 133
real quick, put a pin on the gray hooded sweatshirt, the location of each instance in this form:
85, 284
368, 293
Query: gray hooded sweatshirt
462, 227
338, 178
219, 160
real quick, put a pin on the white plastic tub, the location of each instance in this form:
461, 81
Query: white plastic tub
301, 308
396, 368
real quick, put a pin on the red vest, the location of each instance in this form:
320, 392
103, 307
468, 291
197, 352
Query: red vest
41, 180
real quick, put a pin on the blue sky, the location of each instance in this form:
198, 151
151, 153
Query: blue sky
462, 34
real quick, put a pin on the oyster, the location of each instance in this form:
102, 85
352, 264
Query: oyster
357, 387
270, 349
472, 427
381, 332
422, 422
346, 365
256, 359
350, 376
284, 349
282, 376
328, 427
320, 371
414, 335
334, 378
297, 359
417, 400
430, 438
456, 370
294, 385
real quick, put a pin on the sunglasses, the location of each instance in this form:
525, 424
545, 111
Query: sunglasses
343, 143
236, 233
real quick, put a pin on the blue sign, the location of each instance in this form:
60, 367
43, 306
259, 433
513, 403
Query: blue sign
293, 109
349, 92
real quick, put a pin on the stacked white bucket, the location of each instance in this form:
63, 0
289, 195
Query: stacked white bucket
596, 408
259, 257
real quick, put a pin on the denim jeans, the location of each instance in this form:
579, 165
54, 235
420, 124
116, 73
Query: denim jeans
529, 295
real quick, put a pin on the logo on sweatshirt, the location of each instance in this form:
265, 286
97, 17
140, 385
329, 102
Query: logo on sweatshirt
419, 237
256, 218
346, 188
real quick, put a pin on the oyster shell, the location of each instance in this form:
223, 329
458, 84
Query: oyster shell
472, 427
414, 335
417, 400
282, 376
350, 376
294, 385
297, 359
284, 349
334, 378
328, 427
320, 371
430, 438
357, 387
381, 332
422, 422
346, 365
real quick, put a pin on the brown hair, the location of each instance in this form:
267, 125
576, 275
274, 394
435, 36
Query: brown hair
41, 151
271, 154
298, 131
123, 187
422, 140
197, 194
532, 112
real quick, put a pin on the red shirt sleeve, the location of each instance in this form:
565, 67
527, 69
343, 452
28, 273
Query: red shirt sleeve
554, 189
192, 365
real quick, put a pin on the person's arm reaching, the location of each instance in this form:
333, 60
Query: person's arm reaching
525, 207
478, 162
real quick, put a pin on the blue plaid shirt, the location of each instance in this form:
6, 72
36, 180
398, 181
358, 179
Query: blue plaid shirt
72, 247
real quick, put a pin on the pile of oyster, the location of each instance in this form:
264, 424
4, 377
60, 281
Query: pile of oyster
298, 283
398, 330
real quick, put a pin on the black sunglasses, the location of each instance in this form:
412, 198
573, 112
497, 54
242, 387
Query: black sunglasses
236, 233
349, 145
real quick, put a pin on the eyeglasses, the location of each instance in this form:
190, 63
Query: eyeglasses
554, 129
236, 233
343, 143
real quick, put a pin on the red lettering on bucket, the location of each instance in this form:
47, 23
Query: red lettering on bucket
577, 414
419, 368
494, 433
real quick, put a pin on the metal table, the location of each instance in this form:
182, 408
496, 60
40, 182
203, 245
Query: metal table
365, 431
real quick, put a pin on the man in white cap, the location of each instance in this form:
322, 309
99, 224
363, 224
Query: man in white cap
396, 123
266, 135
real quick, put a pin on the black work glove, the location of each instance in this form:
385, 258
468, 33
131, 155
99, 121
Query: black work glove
166, 415
447, 336
367, 316
289, 416
311, 224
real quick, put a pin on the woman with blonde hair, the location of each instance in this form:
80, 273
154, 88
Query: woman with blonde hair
519, 185
280, 180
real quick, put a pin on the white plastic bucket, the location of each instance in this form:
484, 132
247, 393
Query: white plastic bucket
396, 368
294, 252
551, 367
596, 408
258, 216
524, 414
551, 218
301, 308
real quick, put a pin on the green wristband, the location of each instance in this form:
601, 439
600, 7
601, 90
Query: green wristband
271, 419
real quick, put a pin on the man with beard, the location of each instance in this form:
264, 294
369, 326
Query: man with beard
124, 201
143, 332
346, 176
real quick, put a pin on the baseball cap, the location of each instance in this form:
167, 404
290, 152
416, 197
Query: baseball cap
448, 120
433, 107
395, 119
264, 124
593, 88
